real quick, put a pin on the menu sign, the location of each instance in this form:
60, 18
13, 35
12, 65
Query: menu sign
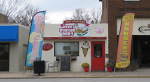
74, 28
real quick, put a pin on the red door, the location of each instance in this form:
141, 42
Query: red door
98, 56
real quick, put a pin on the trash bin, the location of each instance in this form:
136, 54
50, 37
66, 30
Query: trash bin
39, 67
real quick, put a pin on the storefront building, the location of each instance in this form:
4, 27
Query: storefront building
3, 19
13, 44
73, 43
113, 11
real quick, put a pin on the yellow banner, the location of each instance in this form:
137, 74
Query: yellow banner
124, 43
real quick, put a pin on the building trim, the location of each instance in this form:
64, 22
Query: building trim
71, 38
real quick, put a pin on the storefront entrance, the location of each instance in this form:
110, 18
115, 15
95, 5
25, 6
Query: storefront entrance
145, 52
65, 53
4, 57
141, 51
97, 56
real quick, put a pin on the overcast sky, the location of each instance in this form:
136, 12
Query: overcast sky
58, 10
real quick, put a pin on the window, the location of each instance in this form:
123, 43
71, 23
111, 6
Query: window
98, 50
4, 57
4, 51
66, 48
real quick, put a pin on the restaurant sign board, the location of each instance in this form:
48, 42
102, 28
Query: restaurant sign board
74, 28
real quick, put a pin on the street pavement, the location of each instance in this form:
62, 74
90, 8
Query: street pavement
75, 75
79, 80
144, 73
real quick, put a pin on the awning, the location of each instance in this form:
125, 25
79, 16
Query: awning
8, 33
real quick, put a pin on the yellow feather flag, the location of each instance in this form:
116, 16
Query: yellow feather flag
124, 43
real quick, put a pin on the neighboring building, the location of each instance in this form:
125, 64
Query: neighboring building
3, 18
72, 45
13, 45
113, 10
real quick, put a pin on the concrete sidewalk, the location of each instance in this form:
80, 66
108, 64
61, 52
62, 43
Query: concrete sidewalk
30, 75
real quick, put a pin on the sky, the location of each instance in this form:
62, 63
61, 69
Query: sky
58, 10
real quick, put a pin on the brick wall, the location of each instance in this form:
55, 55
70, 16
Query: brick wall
113, 9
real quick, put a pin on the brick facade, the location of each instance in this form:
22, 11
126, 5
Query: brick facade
113, 9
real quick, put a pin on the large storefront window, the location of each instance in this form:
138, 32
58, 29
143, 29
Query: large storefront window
4, 57
66, 48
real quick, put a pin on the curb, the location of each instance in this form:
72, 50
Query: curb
72, 75
47, 77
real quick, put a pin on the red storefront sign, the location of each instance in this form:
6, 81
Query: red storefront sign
47, 46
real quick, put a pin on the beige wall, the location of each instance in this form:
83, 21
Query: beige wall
18, 51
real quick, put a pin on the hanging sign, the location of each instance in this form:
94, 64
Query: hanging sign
124, 43
74, 28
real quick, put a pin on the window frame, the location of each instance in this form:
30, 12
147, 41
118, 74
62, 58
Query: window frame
66, 42
101, 52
